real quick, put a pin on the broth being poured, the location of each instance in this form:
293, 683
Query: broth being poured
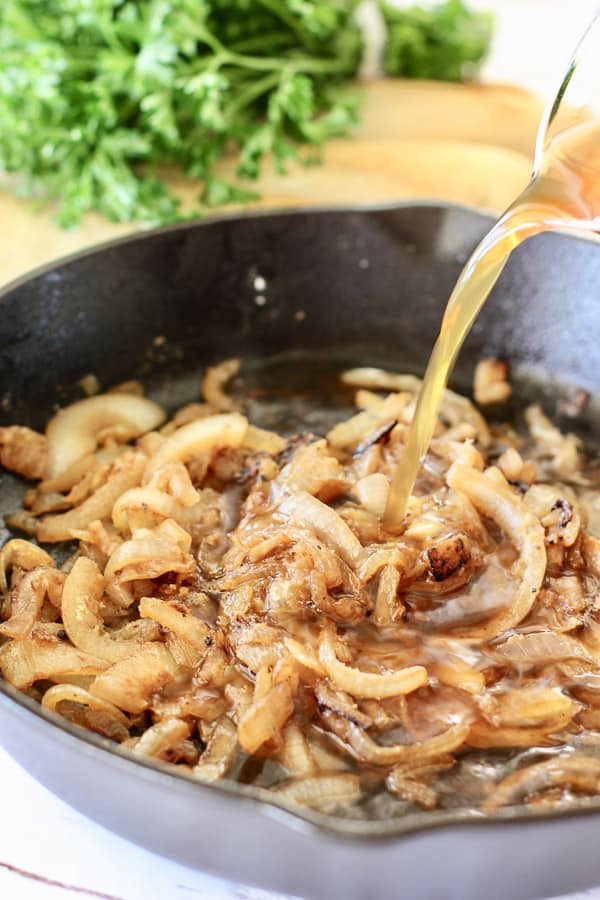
564, 193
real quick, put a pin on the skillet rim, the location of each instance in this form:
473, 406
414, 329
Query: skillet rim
264, 801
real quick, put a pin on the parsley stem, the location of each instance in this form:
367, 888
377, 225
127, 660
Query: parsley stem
300, 63
255, 90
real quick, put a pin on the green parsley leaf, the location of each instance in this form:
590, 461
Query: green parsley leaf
96, 94
446, 42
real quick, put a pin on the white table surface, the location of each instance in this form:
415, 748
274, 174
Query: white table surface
49, 851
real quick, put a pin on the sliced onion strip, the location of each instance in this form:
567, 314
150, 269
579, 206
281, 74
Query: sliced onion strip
201, 436
81, 597
495, 499
327, 525
74, 431
322, 792
365, 748
27, 598
162, 737
580, 773
368, 684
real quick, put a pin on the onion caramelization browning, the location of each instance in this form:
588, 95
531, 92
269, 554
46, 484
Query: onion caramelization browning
235, 607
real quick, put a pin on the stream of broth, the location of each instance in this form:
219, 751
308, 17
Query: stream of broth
565, 193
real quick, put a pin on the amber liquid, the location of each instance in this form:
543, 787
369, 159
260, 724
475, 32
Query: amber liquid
565, 193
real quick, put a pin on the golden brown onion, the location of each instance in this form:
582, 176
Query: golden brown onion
494, 498
131, 682
74, 431
368, 684
201, 436
27, 598
83, 591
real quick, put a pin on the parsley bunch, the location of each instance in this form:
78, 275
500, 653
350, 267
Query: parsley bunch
95, 94
445, 42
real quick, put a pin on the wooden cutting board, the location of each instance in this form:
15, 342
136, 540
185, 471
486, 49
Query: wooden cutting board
469, 144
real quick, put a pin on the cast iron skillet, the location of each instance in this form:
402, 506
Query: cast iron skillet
366, 286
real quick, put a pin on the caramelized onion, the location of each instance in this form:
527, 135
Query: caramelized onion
177, 620
496, 500
265, 717
368, 684
214, 382
126, 473
220, 752
33, 659
322, 792
81, 598
21, 555
367, 750
131, 682
74, 431
235, 595
326, 524
162, 737
295, 755
27, 598
201, 436
373, 491
540, 647
71, 693
579, 773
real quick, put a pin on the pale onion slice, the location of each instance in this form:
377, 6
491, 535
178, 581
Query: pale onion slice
150, 553
295, 755
126, 473
537, 648
304, 655
70, 477
388, 606
324, 793
532, 707
347, 435
213, 384
72, 693
380, 379
411, 789
494, 498
23, 451
174, 479
81, 597
396, 557
368, 684
365, 748
263, 441
182, 623
484, 736
457, 408
265, 717
578, 773
21, 554
33, 659
456, 673
144, 507
27, 599
162, 737
201, 436
131, 682
74, 431
220, 753
327, 525
372, 492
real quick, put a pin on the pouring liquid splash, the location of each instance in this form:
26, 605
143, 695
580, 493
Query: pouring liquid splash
563, 193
